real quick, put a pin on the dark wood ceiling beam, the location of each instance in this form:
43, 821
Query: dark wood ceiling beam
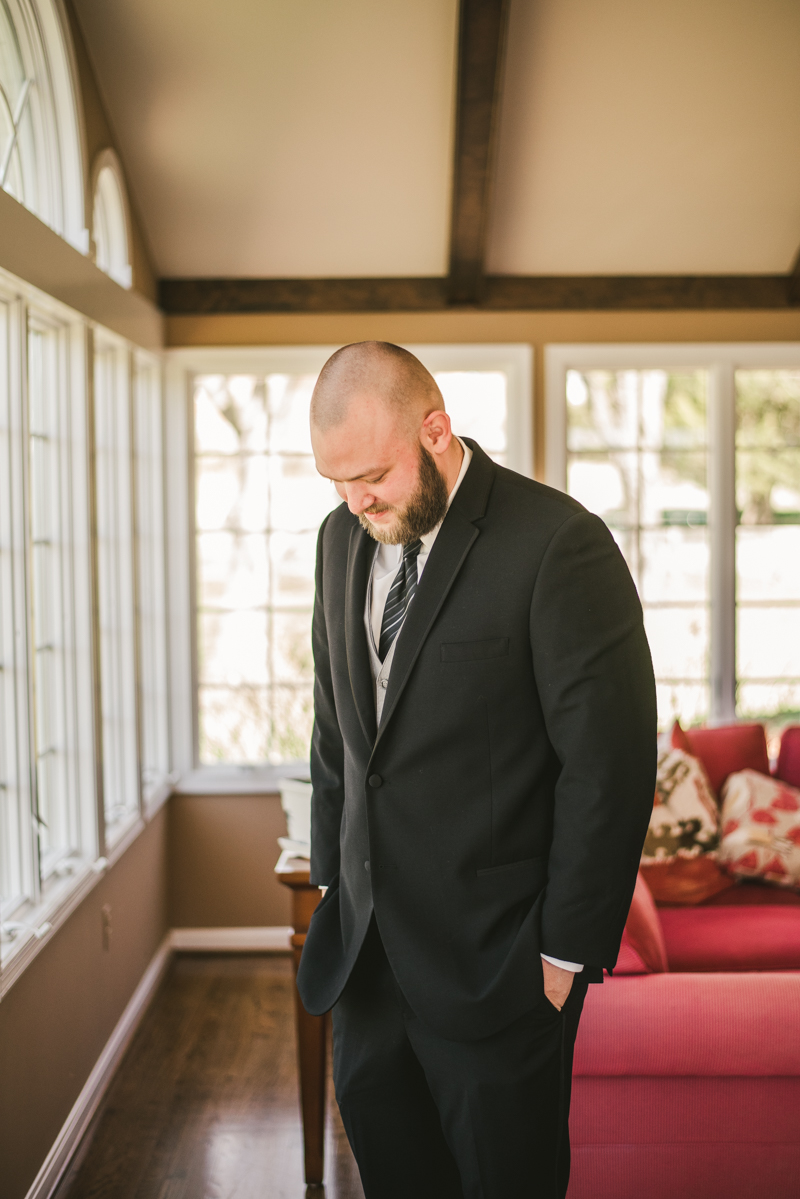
302, 295
635, 292
565, 293
481, 52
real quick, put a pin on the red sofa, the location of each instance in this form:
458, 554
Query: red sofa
687, 1082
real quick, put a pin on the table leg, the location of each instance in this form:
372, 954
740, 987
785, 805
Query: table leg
312, 1060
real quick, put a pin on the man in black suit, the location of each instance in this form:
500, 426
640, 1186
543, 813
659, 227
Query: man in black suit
483, 765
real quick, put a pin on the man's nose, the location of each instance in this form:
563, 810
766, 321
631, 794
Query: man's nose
358, 498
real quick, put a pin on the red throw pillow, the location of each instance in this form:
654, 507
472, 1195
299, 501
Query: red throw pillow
679, 738
642, 950
789, 756
725, 750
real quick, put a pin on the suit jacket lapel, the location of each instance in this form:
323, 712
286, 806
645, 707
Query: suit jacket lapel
456, 537
360, 555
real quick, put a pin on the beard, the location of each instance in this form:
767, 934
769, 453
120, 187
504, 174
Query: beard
423, 512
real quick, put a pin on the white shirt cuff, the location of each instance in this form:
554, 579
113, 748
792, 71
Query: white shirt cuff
572, 966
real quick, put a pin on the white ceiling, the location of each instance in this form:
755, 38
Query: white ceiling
283, 137
649, 137
292, 138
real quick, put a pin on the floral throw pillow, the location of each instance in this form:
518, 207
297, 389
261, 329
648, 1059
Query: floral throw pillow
679, 860
761, 828
684, 821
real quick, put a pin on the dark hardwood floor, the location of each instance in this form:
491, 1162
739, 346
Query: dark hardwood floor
205, 1103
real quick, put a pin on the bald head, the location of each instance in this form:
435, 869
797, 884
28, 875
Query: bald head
374, 370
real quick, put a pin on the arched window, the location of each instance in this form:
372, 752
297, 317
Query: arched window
41, 163
110, 219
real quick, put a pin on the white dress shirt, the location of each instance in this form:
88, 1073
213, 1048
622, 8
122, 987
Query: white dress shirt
384, 568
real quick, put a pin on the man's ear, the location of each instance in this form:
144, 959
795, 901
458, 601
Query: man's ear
436, 433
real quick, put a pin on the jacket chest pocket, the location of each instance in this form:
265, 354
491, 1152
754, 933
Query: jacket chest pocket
473, 651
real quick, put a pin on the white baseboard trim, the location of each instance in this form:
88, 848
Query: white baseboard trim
96, 1084
267, 939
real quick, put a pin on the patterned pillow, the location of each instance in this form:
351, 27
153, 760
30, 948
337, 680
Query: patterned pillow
684, 822
761, 828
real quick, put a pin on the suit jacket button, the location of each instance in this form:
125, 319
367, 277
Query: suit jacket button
366, 866
374, 780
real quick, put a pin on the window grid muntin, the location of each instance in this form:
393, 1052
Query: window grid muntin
770, 524
638, 446
271, 689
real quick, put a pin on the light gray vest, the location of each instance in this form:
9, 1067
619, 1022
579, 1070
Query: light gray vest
380, 670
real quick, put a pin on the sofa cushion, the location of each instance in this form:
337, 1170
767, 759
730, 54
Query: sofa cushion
761, 828
734, 938
737, 1025
725, 749
684, 829
788, 768
642, 950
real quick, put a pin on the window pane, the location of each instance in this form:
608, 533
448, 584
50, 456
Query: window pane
289, 403
232, 647
116, 591
234, 724
673, 565
477, 404
58, 834
637, 457
606, 484
16, 881
259, 504
768, 544
232, 570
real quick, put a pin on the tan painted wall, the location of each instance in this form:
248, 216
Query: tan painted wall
99, 136
536, 328
222, 853
56, 1019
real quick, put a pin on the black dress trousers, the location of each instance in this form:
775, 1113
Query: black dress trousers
430, 1118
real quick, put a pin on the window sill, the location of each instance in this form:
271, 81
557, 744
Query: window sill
43, 921
238, 780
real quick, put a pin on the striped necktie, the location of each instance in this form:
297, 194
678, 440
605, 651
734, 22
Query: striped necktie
400, 596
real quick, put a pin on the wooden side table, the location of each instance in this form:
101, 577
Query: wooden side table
312, 1031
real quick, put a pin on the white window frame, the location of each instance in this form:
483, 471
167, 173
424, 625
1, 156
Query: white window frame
45, 901
39, 910
111, 245
150, 568
721, 360
515, 360
46, 47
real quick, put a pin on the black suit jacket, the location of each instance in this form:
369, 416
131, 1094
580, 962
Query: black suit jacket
500, 808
